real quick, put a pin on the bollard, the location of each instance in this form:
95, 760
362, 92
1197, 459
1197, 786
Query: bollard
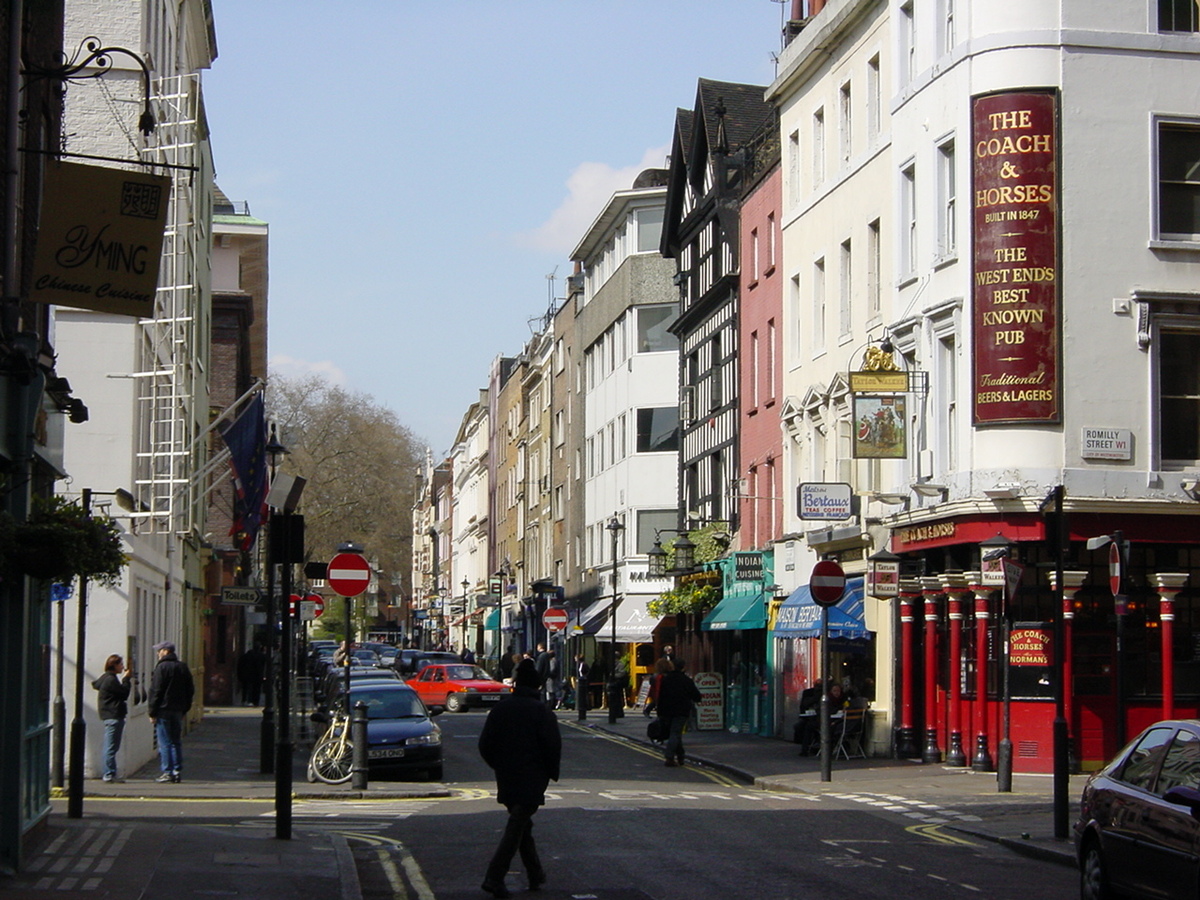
1004, 764
358, 740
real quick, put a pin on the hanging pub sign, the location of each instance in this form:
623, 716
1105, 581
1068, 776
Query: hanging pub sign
1015, 303
100, 239
1030, 647
879, 427
879, 382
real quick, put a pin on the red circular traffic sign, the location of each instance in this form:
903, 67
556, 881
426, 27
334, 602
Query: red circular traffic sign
827, 583
349, 574
1114, 568
554, 618
316, 599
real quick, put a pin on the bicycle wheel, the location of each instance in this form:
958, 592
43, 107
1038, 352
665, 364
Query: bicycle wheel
331, 760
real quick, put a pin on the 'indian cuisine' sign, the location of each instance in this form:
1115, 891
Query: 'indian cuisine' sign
1014, 150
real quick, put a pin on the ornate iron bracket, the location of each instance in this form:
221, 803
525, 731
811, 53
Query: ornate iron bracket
91, 53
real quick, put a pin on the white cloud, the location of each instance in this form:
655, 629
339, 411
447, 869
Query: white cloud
290, 367
589, 188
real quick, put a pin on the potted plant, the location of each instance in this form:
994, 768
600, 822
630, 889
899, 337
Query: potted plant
59, 542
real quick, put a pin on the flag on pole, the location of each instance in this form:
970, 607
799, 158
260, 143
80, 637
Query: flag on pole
246, 438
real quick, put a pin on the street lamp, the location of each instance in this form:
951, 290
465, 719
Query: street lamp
616, 692
685, 555
266, 751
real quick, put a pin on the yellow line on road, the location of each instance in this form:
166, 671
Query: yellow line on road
935, 833
412, 870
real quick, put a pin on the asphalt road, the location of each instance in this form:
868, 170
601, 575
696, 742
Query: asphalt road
621, 825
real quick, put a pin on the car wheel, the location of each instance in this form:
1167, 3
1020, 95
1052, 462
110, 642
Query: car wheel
1093, 876
435, 773
454, 703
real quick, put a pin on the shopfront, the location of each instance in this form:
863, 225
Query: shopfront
737, 630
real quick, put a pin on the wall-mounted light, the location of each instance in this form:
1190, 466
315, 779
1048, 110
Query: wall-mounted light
888, 498
1003, 491
1191, 486
929, 489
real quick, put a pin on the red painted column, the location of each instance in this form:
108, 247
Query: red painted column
907, 746
1072, 582
1168, 584
931, 588
982, 760
955, 586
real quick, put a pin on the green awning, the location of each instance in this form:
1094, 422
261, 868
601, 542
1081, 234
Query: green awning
739, 612
492, 620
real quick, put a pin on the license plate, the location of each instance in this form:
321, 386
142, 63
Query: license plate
386, 753
490, 698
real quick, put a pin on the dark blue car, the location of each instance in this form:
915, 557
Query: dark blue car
1139, 826
401, 738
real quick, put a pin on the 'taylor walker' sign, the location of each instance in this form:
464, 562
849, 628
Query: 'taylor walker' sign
100, 239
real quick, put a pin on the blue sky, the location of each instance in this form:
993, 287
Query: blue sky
425, 165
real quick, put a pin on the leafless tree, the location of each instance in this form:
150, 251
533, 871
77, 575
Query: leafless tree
360, 465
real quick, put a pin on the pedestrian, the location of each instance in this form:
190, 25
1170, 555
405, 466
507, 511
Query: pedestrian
582, 671
113, 707
171, 692
468, 656
508, 660
553, 685
547, 669
676, 698
521, 743
250, 668
661, 668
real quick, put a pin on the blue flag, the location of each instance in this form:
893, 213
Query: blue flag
246, 438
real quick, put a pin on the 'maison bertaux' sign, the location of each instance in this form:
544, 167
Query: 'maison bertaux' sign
1014, 192
100, 239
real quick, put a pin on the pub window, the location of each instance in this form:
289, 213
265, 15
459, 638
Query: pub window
1179, 181
1179, 396
1178, 15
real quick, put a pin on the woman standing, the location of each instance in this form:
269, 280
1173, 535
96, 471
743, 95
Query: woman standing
114, 692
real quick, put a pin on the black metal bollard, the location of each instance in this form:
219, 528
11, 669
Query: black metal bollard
358, 739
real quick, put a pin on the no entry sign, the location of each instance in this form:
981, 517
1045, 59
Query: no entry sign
554, 619
349, 574
1114, 568
827, 583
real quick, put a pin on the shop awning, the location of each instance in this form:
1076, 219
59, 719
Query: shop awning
799, 616
492, 621
461, 619
738, 612
634, 622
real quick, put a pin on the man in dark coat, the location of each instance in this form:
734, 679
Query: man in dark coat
521, 742
677, 694
171, 692
250, 669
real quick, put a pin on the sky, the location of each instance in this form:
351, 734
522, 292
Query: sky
426, 167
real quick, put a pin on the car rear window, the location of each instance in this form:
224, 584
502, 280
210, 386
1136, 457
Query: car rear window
1181, 765
389, 704
1142, 763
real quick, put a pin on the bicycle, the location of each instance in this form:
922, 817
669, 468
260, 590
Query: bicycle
333, 753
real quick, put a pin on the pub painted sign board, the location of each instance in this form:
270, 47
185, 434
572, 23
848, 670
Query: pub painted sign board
100, 239
1015, 229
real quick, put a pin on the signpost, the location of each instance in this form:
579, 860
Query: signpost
232, 595
349, 574
555, 619
827, 583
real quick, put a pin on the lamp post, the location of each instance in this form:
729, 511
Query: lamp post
616, 693
466, 584
266, 751
78, 726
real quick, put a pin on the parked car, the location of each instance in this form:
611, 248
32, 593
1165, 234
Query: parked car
409, 662
333, 684
400, 736
458, 687
1139, 824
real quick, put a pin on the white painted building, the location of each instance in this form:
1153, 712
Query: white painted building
145, 381
628, 372
1033, 179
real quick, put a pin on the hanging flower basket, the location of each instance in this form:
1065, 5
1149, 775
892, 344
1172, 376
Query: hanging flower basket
59, 542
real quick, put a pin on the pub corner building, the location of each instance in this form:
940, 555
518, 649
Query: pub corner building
1048, 496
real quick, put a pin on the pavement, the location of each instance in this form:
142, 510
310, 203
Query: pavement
102, 854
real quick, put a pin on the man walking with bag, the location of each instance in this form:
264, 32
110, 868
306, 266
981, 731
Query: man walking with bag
677, 694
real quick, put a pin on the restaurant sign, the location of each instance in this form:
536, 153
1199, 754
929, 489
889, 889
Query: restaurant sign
1029, 647
1014, 150
100, 239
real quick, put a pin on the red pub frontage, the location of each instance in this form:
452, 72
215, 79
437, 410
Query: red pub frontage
1128, 660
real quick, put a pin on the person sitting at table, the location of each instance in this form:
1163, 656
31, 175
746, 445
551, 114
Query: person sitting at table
807, 726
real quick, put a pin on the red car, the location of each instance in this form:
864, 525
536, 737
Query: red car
457, 686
